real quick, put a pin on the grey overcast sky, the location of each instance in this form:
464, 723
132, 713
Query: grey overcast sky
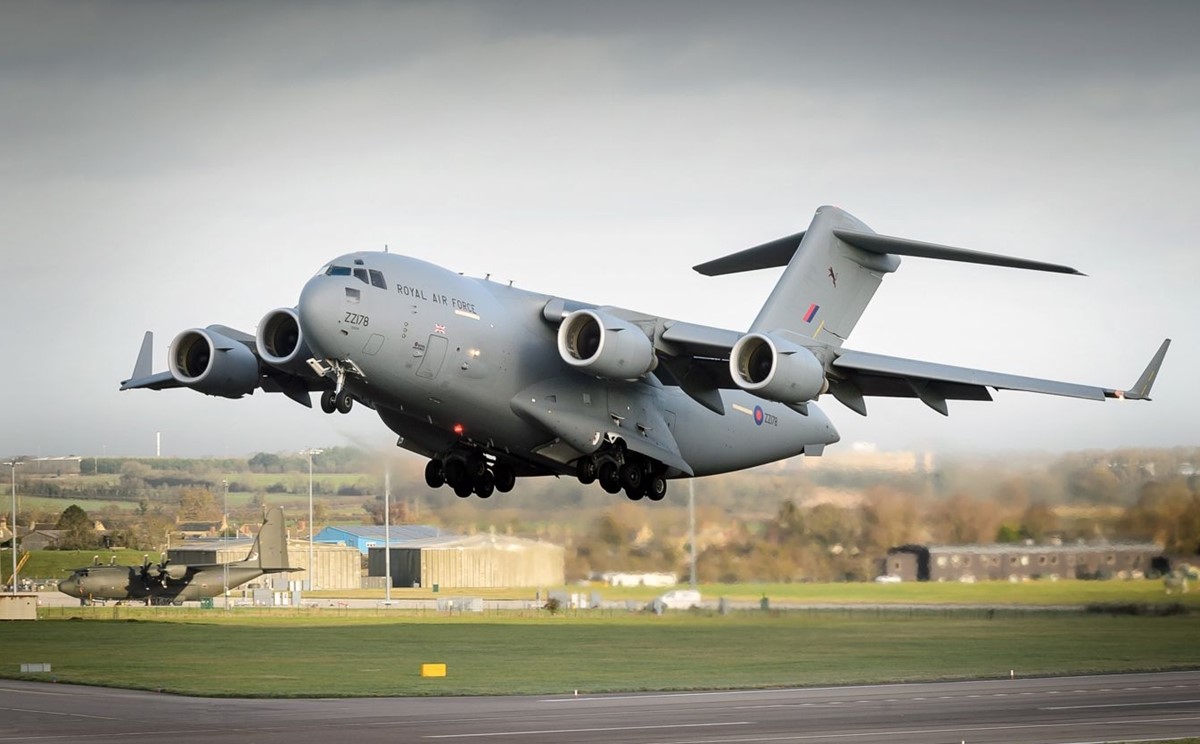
165, 165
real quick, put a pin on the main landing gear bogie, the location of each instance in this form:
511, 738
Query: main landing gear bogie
618, 470
469, 473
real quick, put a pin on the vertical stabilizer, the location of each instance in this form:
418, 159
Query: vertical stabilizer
269, 551
827, 283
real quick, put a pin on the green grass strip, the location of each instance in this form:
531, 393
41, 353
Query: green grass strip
365, 653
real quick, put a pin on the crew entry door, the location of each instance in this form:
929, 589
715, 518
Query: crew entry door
435, 354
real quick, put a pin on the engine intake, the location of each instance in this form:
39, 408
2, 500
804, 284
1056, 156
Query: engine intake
605, 346
212, 363
776, 369
280, 342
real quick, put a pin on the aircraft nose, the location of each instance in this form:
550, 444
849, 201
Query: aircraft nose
69, 586
320, 305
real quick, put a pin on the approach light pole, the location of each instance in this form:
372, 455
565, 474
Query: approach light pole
312, 568
13, 463
224, 529
387, 535
692, 529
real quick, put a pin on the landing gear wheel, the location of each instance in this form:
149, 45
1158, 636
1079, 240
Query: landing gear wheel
463, 490
656, 489
634, 494
609, 477
327, 404
505, 478
587, 470
485, 485
476, 464
343, 401
434, 476
456, 474
632, 477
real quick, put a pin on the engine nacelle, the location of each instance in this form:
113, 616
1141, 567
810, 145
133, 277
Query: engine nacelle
211, 363
174, 572
280, 341
605, 346
776, 369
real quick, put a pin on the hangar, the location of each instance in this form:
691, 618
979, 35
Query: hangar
472, 561
1021, 562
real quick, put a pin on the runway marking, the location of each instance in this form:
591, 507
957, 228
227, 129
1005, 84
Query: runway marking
60, 713
953, 730
585, 730
1121, 705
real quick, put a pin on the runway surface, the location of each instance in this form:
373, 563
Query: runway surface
1066, 709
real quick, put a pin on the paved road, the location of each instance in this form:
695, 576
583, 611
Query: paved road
1066, 709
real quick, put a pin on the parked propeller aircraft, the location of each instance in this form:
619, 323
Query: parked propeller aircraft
169, 583
492, 383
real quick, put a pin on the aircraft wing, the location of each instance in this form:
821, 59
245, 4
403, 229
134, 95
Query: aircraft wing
856, 374
270, 379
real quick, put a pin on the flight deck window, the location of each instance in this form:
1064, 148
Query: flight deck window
338, 271
377, 279
361, 275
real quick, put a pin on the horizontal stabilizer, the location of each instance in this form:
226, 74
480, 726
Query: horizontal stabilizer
883, 244
766, 256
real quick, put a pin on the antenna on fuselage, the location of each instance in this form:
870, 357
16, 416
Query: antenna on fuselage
385, 247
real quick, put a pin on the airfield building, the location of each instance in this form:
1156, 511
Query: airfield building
363, 537
1022, 562
474, 561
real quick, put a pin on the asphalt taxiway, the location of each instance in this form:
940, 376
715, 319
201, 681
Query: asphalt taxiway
1107, 708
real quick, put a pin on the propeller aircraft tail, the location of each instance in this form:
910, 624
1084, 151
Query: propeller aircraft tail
269, 551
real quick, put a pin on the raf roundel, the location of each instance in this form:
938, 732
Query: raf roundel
759, 416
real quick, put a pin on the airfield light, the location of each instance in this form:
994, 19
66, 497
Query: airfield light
13, 463
458, 429
312, 569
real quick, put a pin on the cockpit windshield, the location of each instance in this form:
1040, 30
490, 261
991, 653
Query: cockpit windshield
373, 277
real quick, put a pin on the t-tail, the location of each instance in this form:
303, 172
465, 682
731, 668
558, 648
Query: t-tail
269, 551
833, 270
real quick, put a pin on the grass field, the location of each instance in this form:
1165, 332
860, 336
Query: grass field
311, 653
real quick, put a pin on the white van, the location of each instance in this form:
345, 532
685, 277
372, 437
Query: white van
680, 599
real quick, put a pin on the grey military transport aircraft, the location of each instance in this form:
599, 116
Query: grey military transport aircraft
493, 383
169, 583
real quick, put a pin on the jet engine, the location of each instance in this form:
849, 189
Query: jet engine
205, 360
280, 341
776, 369
605, 346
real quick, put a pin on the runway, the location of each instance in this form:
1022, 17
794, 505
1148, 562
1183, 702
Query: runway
1061, 710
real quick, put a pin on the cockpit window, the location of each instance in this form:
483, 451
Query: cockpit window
361, 275
377, 279
338, 271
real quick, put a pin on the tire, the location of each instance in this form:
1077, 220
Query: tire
634, 494
609, 477
463, 490
327, 404
485, 485
505, 478
632, 476
587, 470
343, 401
656, 489
456, 474
435, 477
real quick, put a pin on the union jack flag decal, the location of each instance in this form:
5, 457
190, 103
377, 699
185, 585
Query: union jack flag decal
439, 328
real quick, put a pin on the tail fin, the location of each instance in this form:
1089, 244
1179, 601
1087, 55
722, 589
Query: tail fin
269, 551
833, 270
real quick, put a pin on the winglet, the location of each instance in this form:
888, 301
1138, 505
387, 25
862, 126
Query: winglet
145, 363
1141, 388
